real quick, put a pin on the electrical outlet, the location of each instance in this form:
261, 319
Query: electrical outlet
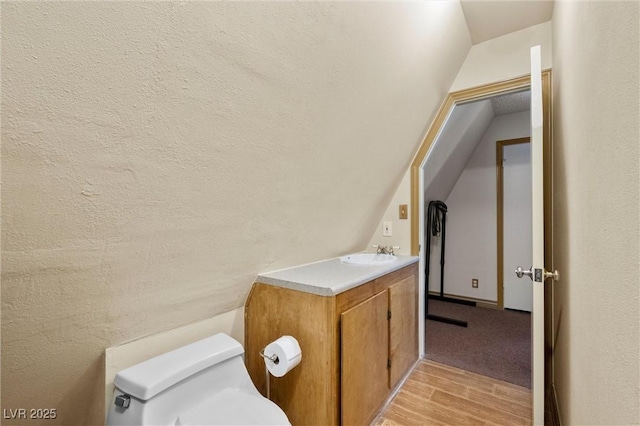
474, 282
386, 229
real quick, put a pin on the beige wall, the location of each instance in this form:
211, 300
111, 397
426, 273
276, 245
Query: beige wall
401, 228
504, 58
157, 156
596, 211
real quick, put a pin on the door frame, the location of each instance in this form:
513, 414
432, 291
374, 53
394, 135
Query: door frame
500, 211
417, 191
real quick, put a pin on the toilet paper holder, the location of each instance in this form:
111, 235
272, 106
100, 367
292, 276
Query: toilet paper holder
273, 358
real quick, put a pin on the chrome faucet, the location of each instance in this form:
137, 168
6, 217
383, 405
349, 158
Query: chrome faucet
385, 249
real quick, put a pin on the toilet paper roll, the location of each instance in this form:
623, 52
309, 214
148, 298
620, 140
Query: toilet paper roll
288, 352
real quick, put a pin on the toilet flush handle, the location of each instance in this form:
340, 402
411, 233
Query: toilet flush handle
123, 401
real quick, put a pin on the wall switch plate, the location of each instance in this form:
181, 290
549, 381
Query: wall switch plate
386, 229
474, 282
403, 211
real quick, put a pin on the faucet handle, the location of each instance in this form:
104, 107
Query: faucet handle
385, 249
390, 250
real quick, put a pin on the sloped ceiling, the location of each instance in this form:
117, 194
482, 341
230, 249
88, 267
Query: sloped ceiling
461, 135
156, 156
454, 147
491, 19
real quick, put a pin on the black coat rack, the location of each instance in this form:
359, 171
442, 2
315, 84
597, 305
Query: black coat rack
436, 225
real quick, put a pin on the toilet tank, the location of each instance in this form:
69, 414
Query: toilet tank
158, 390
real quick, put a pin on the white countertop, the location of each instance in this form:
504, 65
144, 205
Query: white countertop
331, 277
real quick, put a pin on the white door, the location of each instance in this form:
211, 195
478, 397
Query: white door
537, 272
516, 222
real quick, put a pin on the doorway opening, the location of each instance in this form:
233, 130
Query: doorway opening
460, 175
418, 200
513, 190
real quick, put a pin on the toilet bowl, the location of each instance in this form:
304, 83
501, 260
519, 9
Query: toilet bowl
203, 383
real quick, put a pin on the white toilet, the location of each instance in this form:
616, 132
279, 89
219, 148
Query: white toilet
204, 383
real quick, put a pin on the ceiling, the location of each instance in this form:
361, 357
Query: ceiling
490, 19
511, 103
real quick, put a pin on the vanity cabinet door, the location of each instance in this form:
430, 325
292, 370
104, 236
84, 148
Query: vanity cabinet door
403, 335
365, 345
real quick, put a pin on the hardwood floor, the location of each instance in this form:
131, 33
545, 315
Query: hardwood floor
437, 394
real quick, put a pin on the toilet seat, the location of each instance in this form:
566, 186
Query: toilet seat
234, 407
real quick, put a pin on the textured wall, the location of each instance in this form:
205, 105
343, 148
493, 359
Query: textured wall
157, 156
596, 211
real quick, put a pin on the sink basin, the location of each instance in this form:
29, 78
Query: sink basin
368, 259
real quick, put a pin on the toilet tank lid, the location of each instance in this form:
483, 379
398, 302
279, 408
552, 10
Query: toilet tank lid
151, 377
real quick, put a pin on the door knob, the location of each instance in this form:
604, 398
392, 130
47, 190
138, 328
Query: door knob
555, 275
521, 272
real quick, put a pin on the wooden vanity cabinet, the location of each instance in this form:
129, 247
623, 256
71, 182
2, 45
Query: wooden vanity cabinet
356, 346
364, 369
